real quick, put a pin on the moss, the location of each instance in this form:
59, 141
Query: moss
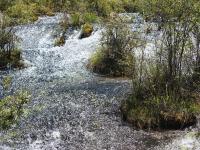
86, 31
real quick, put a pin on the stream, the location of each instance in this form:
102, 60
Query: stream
72, 108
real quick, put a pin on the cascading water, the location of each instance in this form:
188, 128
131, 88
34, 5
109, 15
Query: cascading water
70, 107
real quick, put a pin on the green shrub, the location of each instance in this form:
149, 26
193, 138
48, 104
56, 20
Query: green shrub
11, 108
117, 44
160, 112
9, 54
13, 59
130, 5
22, 13
90, 18
97, 57
100, 62
76, 20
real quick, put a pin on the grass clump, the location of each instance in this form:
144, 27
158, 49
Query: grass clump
90, 17
11, 106
22, 13
76, 20
160, 112
9, 54
13, 59
115, 57
100, 62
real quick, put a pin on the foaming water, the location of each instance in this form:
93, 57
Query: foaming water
72, 108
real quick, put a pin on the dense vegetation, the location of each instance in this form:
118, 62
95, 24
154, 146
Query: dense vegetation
114, 57
11, 106
165, 88
10, 56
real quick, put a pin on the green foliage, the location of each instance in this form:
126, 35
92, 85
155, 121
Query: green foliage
22, 13
160, 112
130, 5
97, 57
76, 20
9, 54
115, 57
89, 18
13, 59
11, 108
4, 4
6, 82
165, 89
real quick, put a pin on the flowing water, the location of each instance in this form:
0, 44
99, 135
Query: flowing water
71, 108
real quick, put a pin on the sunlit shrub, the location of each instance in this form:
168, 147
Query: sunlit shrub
76, 20
22, 13
115, 57
89, 18
11, 108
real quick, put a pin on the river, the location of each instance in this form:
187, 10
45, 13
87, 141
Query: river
72, 108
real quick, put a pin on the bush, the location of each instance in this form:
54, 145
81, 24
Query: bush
76, 20
13, 59
11, 108
9, 54
166, 88
115, 57
90, 18
22, 13
104, 7
160, 112
101, 63
130, 5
